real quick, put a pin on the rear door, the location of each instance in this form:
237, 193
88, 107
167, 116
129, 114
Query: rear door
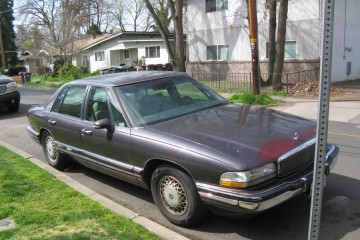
104, 149
64, 121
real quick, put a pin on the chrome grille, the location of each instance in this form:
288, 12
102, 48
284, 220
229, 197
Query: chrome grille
296, 159
3, 89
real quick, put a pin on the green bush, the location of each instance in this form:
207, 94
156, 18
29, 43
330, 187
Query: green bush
69, 70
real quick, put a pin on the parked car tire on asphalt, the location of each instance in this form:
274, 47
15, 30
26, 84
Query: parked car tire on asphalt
53, 156
14, 108
175, 194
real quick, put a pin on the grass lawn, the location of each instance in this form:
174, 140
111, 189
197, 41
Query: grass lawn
43, 207
249, 98
53, 82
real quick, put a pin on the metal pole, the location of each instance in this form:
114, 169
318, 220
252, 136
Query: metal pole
254, 46
323, 118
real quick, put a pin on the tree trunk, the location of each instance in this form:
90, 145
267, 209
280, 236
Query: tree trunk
280, 46
161, 30
179, 35
272, 41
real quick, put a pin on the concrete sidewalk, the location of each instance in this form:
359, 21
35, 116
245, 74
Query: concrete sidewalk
341, 111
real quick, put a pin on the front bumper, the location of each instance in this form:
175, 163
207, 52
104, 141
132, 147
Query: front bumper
10, 99
236, 202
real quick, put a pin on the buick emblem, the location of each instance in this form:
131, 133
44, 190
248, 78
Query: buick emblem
296, 136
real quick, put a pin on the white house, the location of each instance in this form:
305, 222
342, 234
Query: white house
218, 39
126, 48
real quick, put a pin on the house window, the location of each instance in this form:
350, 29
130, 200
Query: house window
152, 52
85, 60
217, 52
290, 50
126, 54
99, 56
216, 5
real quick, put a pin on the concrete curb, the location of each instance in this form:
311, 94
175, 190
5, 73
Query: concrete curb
153, 227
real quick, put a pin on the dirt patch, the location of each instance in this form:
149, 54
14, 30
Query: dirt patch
340, 91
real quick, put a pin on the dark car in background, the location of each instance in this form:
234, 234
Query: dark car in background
9, 95
170, 134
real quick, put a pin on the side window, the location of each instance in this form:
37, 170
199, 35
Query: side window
58, 101
72, 100
97, 106
116, 113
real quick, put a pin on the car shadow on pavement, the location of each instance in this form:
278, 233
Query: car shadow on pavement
111, 184
5, 114
340, 216
340, 212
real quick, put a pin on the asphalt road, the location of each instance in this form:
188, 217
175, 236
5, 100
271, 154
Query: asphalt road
341, 205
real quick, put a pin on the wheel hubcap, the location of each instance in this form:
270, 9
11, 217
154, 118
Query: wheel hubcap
173, 195
51, 149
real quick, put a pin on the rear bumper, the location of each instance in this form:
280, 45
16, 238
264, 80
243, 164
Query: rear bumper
33, 134
234, 202
10, 99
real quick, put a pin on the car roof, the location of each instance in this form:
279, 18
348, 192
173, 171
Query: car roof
124, 78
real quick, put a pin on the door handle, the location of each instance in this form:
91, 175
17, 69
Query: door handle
52, 122
86, 131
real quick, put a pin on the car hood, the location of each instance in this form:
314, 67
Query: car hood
249, 135
4, 80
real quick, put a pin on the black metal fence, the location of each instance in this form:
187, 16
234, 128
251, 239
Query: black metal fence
240, 82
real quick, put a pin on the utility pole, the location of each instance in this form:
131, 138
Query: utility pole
252, 10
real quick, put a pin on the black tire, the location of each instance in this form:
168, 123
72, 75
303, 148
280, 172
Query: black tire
175, 195
53, 156
14, 108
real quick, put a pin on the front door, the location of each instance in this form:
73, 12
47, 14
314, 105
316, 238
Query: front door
104, 149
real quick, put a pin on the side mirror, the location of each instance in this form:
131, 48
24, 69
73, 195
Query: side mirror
104, 123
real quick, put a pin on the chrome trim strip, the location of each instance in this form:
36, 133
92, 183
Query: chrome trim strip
332, 149
109, 163
219, 199
69, 149
278, 199
226, 191
32, 132
98, 159
296, 150
138, 171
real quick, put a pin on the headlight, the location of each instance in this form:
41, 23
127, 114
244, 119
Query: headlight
11, 87
248, 178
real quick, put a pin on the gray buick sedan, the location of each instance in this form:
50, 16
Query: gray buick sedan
168, 133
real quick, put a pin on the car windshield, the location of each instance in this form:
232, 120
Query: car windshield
163, 99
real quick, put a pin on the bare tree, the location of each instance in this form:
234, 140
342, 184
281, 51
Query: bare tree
58, 19
280, 46
136, 10
118, 12
28, 37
